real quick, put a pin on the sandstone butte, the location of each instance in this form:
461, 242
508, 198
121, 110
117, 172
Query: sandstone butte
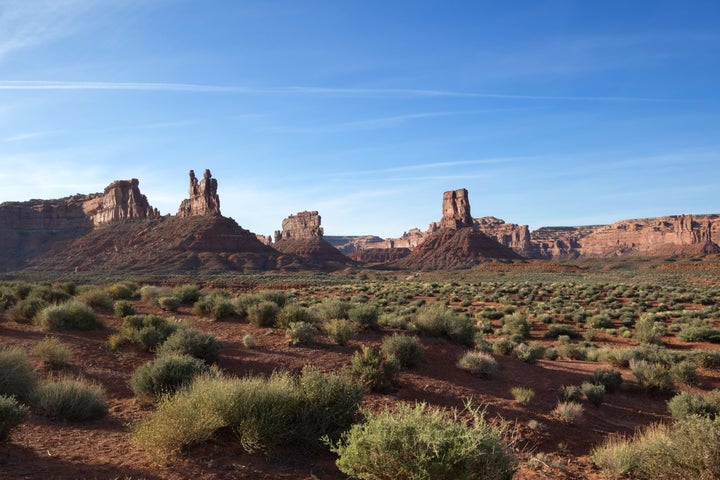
39, 228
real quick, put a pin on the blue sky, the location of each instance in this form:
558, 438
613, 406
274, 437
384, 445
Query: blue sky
548, 112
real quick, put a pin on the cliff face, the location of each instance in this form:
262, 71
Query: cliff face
203, 200
302, 235
30, 228
303, 225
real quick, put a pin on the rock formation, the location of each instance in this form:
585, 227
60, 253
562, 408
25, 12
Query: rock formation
456, 210
121, 200
511, 235
302, 226
203, 199
302, 235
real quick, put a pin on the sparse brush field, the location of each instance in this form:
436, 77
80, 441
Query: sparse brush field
560, 373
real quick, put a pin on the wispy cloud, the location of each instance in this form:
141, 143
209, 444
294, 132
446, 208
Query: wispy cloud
303, 91
438, 165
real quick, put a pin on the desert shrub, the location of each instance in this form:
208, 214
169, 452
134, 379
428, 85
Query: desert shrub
301, 333
165, 375
149, 294
649, 329
685, 371
25, 310
279, 297
437, 321
516, 324
600, 320
523, 396
340, 331
700, 334
610, 379
331, 307
70, 399
187, 293
706, 359
556, 330
17, 378
687, 450
528, 353
685, 404
169, 303
652, 377
215, 306
478, 363
249, 341
72, 315
263, 314
123, 308
49, 294
376, 372
503, 346
366, 316
7, 300
12, 414
262, 413
618, 357
52, 352
193, 342
417, 442
593, 392
291, 313
408, 350
148, 331
97, 298
568, 412
569, 393
123, 290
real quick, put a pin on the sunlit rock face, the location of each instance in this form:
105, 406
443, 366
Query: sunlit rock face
203, 198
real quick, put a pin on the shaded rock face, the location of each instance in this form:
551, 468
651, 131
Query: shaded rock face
121, 200
511, 235
203, 199
456, 210
301, 226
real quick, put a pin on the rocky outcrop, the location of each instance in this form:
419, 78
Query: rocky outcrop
456, 210
517, 237
301, 226
302, 236
203, 199
121, 200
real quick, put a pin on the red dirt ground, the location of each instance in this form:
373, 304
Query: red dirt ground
101, 449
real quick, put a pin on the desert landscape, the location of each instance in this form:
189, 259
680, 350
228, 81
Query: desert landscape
563, 343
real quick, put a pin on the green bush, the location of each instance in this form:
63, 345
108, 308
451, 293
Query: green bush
169, 303
149, 331
684, 405
25, 310
52, 352
600, 320
72, 315
96, 298
503, 346
263, 314
685, 371
49, 294
292, 313
419, 443
12, 414
523, 396
652, 377
516, 324
331, 308
593, 392
262, 413
609, 378
556, 330
699, 334
687, 450
17, 378
438, 321
373, 370
123, 308
193, 342
301, 333
165, 375
215, 306
187, 293
569, 393
123, 290
149, 294
528, 353
649, 328
278, 297
69, 399
7, 300
568, 412
340, 331
478, 363
408, 350
366, 316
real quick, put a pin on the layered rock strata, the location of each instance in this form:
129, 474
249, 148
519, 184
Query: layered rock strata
302, 235
203, 199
